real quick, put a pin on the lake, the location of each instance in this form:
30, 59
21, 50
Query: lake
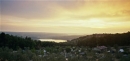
53, 40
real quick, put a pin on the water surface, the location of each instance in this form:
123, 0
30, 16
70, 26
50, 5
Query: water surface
53, 40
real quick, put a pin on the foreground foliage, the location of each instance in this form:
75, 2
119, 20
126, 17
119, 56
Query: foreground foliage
61, 54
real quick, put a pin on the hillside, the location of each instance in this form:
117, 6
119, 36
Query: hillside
122, 39
16, 42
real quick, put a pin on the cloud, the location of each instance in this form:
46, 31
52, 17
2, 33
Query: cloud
58, 9
66, 16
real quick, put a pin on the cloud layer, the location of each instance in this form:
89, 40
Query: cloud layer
86, 16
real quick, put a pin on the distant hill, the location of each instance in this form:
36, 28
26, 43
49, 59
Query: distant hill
121, 39
43, 35
66, 37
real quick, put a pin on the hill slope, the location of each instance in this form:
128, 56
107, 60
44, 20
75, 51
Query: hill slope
122, 39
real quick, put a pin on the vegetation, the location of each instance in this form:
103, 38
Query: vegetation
14, 48
15, 42
57, 53
103, 39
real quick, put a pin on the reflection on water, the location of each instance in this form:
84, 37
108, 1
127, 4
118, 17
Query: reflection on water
54, 40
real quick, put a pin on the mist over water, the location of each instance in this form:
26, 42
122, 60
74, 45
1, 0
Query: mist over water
53, 40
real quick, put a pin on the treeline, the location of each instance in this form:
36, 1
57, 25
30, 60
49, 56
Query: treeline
15, 42
104, 39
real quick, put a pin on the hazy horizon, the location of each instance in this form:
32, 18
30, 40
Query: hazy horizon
70, 34
72, 17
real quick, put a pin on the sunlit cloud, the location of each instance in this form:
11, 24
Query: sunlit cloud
86, 16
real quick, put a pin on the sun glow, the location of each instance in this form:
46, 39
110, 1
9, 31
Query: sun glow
96, 23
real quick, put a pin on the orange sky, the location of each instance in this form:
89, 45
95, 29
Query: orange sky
65, 16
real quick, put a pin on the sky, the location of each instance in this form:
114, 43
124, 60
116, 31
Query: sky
75, 17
